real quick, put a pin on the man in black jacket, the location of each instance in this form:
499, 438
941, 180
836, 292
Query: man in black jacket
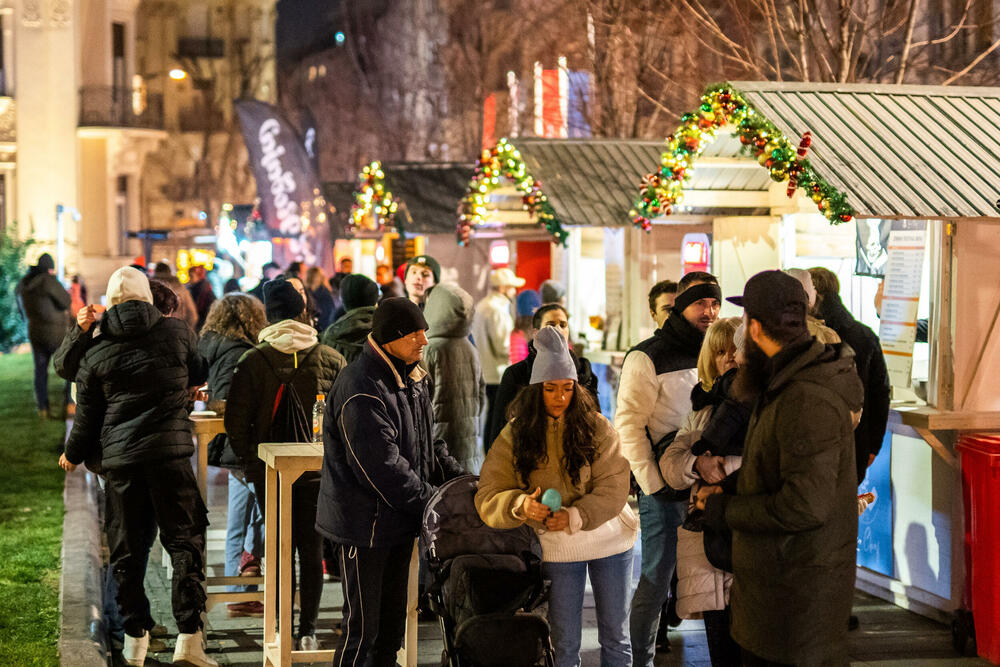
380, 467
870, 363
133, 387
44, 303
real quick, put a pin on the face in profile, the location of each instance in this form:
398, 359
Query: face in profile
661, 308
409, 348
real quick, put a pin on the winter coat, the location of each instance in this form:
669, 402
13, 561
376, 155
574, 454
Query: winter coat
452, 362
69, 355
491, 328
44, 303
253, 388
874, 376
132, 389
222, 355
794, 518
601, 523
348, 334
654, 394
380, 464
203, 297
326, 306
517, 377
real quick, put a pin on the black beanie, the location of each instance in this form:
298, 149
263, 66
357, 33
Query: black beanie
357, 291
396, 317
282, 301
45, 261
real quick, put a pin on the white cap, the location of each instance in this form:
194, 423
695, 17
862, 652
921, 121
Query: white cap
128, 284
504, 276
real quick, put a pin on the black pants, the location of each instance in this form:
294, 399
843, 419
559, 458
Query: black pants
308, 544
491, 407
374, 582
751, 660
723, 651
41, 356
165, 492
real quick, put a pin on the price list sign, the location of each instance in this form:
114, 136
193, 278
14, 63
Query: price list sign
903, 274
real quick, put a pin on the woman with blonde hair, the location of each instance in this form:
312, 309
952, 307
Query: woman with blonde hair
701, 453
231, 328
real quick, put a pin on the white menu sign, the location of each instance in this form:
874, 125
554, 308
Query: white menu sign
903, 274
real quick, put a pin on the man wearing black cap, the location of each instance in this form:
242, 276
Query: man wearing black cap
380, 467
654, 397
794, 515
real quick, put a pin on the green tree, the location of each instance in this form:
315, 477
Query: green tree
13, 328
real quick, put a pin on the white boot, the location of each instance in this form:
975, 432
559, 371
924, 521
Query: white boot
134, 651
190, 650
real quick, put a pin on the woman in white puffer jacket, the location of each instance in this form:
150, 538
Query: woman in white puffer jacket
702, 589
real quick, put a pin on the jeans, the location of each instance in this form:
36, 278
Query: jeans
374, 583
164, 492
244, 527
611, 579
42, 356
659, 519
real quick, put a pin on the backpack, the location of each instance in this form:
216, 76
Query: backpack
289, 422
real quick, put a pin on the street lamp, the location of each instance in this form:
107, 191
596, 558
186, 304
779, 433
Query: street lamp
177, 74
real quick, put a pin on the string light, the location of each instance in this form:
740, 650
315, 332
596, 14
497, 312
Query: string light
374, 208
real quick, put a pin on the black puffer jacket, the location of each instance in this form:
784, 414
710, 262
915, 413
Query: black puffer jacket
518, 376
132, 389
255, 382
222, 354
348, 334
45, 304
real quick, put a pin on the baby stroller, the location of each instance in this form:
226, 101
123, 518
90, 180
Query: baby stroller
486, 582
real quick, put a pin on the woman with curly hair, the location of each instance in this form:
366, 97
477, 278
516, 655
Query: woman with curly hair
231, 328
558, 440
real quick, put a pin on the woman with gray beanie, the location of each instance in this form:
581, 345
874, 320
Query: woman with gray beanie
558, 441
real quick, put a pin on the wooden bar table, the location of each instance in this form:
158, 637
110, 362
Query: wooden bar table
285, 463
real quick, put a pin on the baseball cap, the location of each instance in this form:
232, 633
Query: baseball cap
505, 276
774, 298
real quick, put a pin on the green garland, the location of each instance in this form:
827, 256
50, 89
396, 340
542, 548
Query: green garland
721, 105
504, 161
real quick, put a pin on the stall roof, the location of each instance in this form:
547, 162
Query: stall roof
589, 182
896, 151
428, 194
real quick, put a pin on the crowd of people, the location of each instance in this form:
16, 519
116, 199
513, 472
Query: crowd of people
747, 503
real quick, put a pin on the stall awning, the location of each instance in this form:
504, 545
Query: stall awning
589, 182
906, 151
428, 194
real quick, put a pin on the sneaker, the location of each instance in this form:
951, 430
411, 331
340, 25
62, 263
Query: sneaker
190, 651
43, 413
308, 643
134, 650
157, 645
252, 608
158, 631
249, 565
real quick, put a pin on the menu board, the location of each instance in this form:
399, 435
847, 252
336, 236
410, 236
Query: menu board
903, 276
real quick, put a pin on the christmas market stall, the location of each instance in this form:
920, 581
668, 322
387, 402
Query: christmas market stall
894, 189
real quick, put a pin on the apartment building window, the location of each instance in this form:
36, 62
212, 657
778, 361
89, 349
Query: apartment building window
121, 213
119, 73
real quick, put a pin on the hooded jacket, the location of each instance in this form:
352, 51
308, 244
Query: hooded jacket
44, 303
518, 376
221, 354
452, 362
348, 334
291, 357
870, 363
380, 464
132, 389
492, 325
795, 517
654, 394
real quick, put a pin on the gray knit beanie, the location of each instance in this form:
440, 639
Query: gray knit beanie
553, 360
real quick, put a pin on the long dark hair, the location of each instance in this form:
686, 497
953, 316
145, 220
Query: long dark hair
530, 424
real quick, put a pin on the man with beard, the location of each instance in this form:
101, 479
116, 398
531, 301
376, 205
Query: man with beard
794, 515
654, 396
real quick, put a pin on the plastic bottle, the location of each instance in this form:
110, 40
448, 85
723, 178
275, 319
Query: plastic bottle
318, 410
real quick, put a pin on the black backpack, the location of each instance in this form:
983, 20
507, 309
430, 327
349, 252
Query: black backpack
289, 421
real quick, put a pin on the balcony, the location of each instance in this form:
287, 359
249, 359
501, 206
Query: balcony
108, 106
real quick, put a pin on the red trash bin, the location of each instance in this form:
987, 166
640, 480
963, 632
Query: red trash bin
981, 491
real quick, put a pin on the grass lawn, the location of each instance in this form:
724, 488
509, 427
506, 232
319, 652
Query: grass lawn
31, 515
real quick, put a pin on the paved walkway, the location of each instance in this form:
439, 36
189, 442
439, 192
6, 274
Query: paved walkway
888, 636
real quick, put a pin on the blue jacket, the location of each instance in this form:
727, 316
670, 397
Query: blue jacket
380, 462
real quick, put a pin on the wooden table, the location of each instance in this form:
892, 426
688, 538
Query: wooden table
285, 463
206, 426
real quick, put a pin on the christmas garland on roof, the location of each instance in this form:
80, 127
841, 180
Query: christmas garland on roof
374, 209
504, 161
661, 192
